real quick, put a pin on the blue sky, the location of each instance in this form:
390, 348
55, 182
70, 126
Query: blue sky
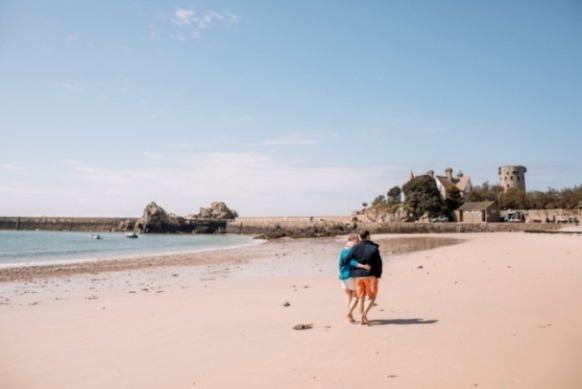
279, 108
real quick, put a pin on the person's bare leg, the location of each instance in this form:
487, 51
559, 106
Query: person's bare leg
354, 303
349, 297
369, 306
362, 316
350, 302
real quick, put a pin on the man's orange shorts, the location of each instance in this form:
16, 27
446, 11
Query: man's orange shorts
366, 286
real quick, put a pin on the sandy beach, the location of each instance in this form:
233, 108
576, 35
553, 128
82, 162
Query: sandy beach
498, 310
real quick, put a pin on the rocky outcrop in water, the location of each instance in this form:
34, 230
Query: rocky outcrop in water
155, 219
217, 210
125, 225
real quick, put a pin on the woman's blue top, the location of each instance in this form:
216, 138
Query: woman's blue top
345, 270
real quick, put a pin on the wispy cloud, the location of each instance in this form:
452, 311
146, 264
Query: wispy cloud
246, 118
434, 130
199, 21
182, 146
252, 183
12, 168
289, 141
153, 32
71, 87
259, 184
154, 156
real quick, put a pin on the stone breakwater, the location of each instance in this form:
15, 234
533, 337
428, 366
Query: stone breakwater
100, 224
304, 228
89, 224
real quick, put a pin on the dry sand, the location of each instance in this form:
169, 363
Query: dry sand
496, 311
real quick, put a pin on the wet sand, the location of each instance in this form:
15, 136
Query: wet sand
497, 310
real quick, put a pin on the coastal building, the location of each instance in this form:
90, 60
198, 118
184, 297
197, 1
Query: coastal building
478, 212
444, 182
512, 177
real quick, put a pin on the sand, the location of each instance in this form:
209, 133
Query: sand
495, 311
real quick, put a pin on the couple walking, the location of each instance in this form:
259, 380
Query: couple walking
360, 268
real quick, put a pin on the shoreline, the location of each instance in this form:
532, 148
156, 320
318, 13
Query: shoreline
16, 271
210, 256
141, 254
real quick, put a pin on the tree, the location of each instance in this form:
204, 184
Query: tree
567, 198
379, 200
484, 192
394, 195
514, 199
454, 198
422, 195
571, 198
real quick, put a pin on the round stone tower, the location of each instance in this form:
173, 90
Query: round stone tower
512, 177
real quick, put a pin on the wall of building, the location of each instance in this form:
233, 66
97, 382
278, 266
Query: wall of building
552, 214
472, 217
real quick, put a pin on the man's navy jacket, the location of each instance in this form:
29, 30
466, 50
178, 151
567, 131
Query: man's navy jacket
366, 252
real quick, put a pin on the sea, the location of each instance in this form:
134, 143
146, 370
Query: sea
19, 248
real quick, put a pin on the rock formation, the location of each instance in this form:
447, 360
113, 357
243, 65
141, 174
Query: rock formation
125, 225
154, 219
386, 214
218, 210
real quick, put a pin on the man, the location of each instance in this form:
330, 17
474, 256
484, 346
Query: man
366, 253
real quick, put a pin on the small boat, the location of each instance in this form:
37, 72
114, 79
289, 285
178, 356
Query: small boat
132, 235
95, 236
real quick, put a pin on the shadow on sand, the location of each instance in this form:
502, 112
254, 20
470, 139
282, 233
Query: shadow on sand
382, 322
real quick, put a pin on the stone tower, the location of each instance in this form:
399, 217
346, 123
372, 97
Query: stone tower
512, 177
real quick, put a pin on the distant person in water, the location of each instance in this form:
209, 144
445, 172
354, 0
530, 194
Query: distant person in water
365, 253
347, 282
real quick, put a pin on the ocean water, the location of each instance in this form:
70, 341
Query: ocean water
38, 247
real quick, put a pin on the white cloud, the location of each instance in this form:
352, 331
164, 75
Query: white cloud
289, 140
71, 87
252, 183
246, 118
433, 130
197, 22
182, 146
154, 156
12, 168
153, 33
183, 16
